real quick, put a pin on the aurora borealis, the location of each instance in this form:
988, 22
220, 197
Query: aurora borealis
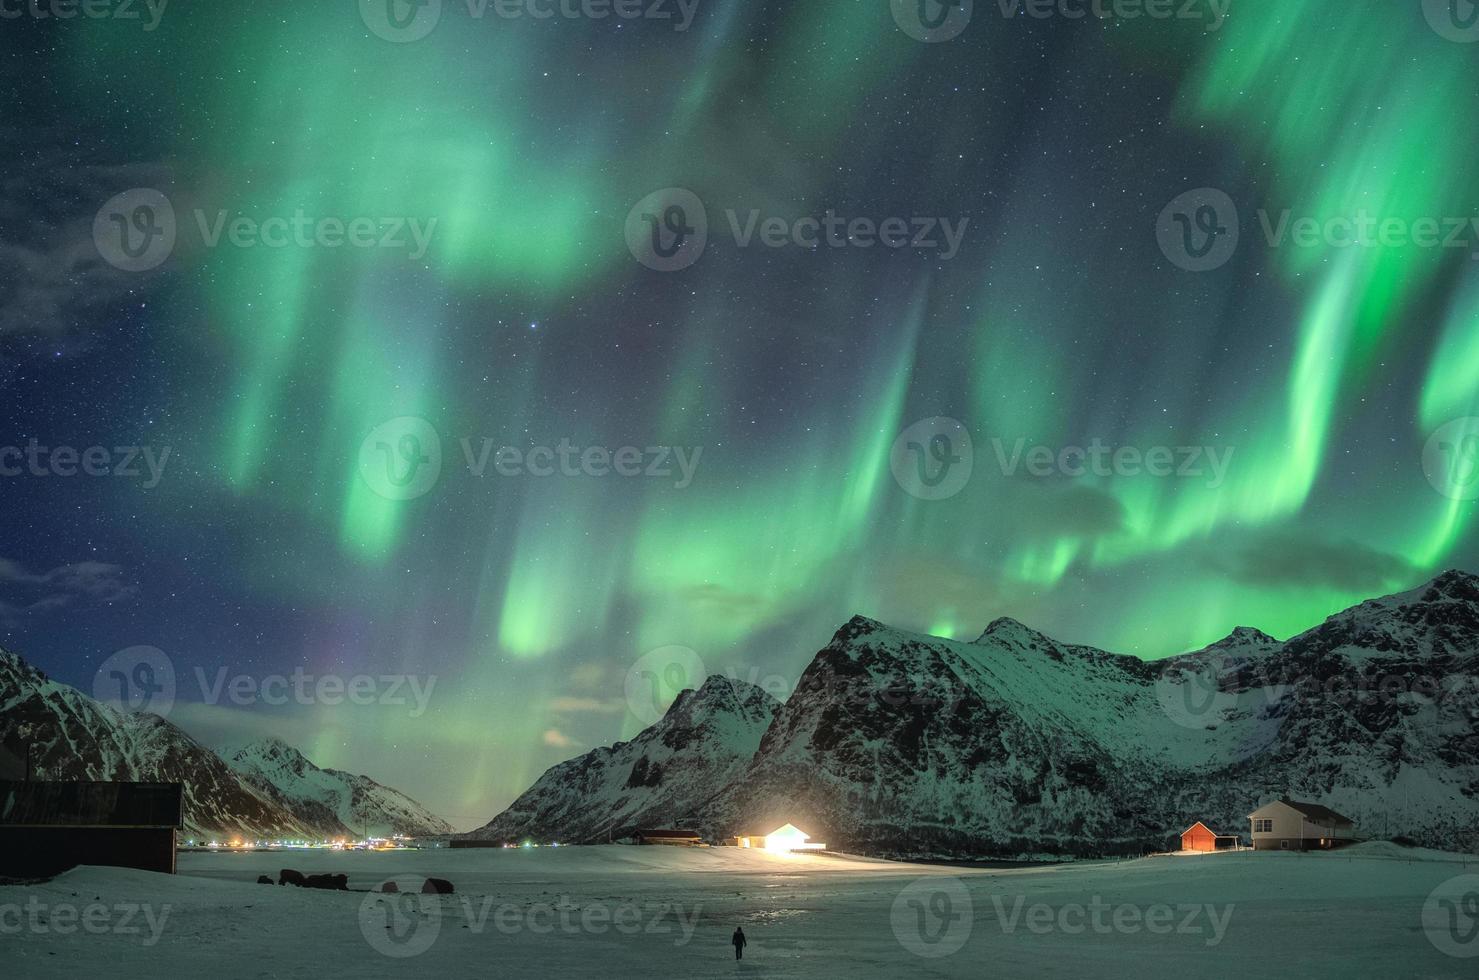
1055, 141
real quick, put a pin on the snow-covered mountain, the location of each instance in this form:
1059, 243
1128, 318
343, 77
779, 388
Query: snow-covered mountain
330, 797
661, 777
72, 736
1014, 743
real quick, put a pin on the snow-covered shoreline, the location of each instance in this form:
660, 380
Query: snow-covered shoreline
614, 911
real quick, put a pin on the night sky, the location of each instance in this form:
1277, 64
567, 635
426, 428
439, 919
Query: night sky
302, 387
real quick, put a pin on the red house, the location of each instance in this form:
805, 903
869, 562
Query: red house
1200, 837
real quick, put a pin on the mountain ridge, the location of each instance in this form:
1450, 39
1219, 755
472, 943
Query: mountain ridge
901, 743
701, 743
356, 803
74, 737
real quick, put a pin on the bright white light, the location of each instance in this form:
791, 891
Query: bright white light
791, 838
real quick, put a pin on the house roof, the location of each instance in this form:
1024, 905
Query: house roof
782, 829
1318, 813
1310, 811
1204, 827
91, 804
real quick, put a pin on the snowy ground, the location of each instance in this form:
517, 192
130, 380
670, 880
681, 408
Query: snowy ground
614, 912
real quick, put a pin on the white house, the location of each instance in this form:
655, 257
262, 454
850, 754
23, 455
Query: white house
1292, 826
785, 838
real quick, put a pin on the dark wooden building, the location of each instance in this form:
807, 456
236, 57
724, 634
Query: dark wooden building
15, 761
680, 838
48, 827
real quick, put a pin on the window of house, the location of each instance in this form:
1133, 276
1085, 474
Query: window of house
1263, 826
1284, 845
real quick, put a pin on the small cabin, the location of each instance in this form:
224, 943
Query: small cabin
672, 838
787, 837
1200, 837
1289, 825
49, 827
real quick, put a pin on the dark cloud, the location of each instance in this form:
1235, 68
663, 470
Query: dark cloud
26, 592
1308, 560
1064, 509
52, 279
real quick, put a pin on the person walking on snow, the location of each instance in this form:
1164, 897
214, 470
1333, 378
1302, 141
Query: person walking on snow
740, 942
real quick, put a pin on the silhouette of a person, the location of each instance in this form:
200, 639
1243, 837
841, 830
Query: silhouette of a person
740, 942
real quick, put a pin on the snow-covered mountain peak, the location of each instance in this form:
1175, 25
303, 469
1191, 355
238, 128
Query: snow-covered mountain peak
1455, 584
859, 625
331, 798
14, 671
1016, 743
269, 753
718, 698
1243, 639
698, 747
1010, 632
1437, 619
74, 737
266, 747
730, 690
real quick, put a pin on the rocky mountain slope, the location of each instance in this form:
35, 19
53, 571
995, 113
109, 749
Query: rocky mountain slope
895, 742
72, 736
330, 797
659, 778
